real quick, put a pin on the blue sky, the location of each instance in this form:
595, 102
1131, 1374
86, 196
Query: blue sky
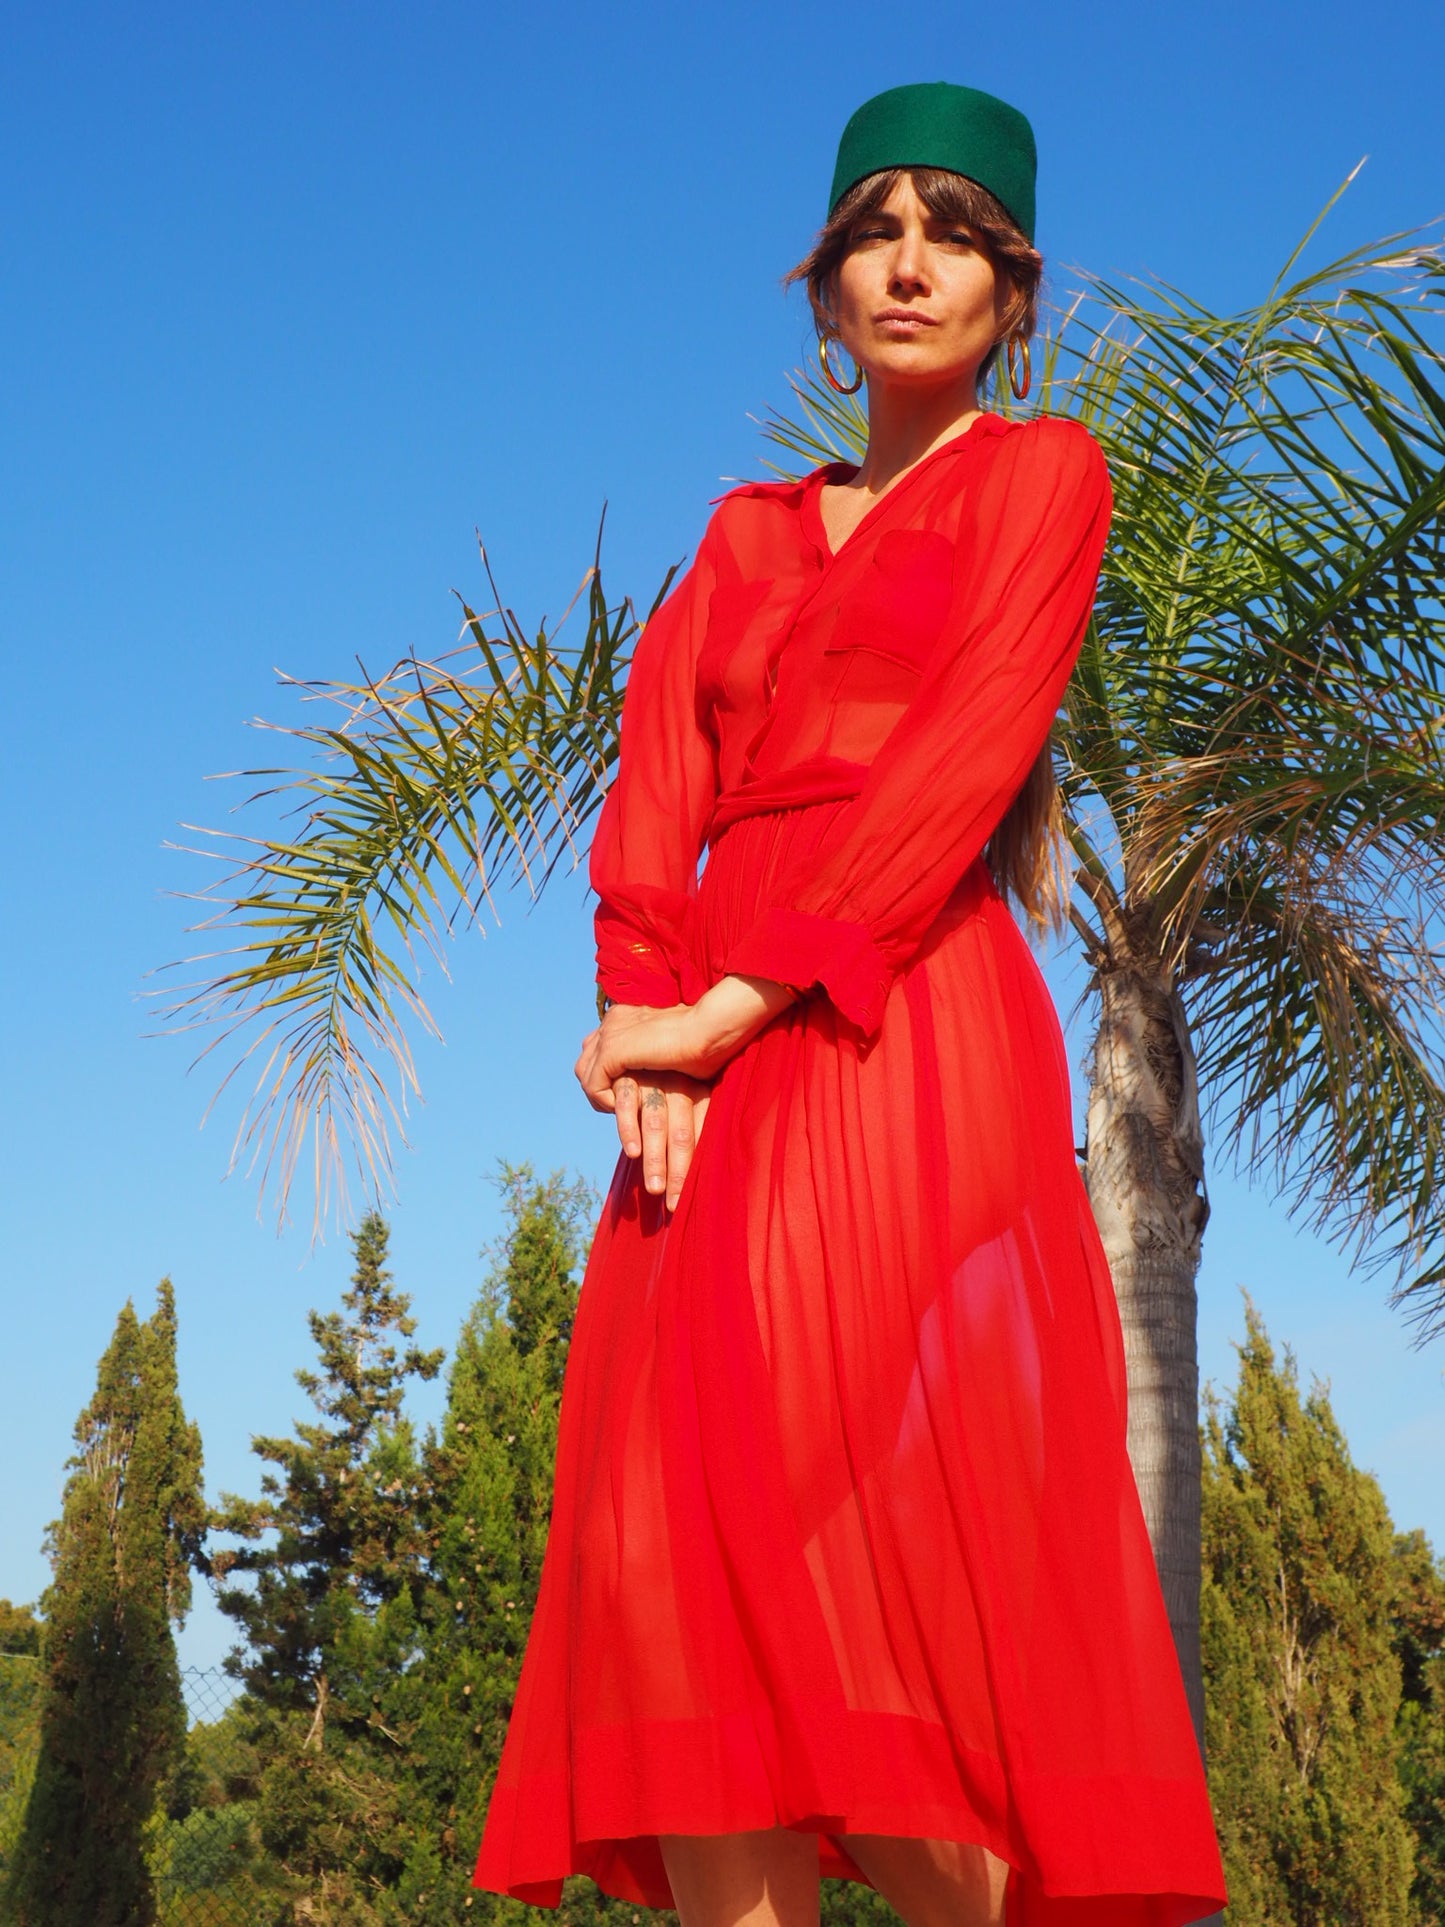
298, 298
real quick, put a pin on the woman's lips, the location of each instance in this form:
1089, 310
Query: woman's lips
904, 318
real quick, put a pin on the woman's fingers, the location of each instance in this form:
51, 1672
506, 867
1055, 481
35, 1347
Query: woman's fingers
597, 1091
633, 1036
652, 1118
669, 1117
625, 1095
659, 1114
667, 1139
681, 1142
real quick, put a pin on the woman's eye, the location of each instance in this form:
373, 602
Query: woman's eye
959, 234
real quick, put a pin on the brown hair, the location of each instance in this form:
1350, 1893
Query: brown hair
1027, 852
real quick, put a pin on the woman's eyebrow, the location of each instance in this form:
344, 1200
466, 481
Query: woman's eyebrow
929, 220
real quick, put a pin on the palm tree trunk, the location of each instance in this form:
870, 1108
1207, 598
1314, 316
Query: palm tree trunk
1145, 1177
1144, 1170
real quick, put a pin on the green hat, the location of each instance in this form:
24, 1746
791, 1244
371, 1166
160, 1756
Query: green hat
936, 124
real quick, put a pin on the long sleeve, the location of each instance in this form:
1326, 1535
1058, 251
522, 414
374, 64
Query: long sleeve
644, 855
1026, 569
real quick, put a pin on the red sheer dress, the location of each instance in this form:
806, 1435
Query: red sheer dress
844, 1536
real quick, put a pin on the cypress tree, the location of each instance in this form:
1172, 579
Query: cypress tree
1419, 1617
1302, 1676
329, 1605
112, 1719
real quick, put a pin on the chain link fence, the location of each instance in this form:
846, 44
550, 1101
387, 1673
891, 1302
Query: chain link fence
205, 1857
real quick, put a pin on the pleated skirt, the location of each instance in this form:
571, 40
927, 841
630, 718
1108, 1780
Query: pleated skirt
844, 1533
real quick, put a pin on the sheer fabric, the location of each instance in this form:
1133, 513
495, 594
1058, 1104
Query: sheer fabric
845, 1536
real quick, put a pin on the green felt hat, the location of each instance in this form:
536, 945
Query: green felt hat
934, 123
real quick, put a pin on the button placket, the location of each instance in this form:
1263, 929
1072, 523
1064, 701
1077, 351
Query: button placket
776, 650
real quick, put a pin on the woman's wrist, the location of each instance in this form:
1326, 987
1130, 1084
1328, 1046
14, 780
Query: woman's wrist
735, 1009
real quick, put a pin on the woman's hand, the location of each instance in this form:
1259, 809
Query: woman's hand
659, 1119
697, 1039
659, 1113
623, 1067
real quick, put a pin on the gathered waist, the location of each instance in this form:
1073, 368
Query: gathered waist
822, 779
779, 836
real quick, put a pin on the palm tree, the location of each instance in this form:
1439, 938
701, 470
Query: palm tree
1252, 776
434, 785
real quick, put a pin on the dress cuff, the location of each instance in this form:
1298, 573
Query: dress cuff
644, 958
637, 985
795, 947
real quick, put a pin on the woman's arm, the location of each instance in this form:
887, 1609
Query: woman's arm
645, 849
851, 916
643, 866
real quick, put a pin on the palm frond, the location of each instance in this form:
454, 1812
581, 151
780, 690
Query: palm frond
1320, 1056
438, 784
828, 427
1266, 723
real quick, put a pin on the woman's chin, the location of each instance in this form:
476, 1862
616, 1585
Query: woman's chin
910, 364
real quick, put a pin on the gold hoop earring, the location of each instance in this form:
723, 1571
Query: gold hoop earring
839, 387
1015, 341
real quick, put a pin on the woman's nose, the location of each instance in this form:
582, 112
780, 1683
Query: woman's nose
907, 269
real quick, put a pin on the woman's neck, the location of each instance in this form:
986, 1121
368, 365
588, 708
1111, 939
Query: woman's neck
905, 424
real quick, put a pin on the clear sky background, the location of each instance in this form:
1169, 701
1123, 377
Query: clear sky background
296, 298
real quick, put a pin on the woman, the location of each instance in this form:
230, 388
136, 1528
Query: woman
847, 1572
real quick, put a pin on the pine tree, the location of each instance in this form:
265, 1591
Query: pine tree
112, 1718
1419, 1616
330, 1606
1302, 1678
342, 1504
492, 1480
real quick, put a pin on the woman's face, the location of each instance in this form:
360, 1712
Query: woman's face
916, 298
